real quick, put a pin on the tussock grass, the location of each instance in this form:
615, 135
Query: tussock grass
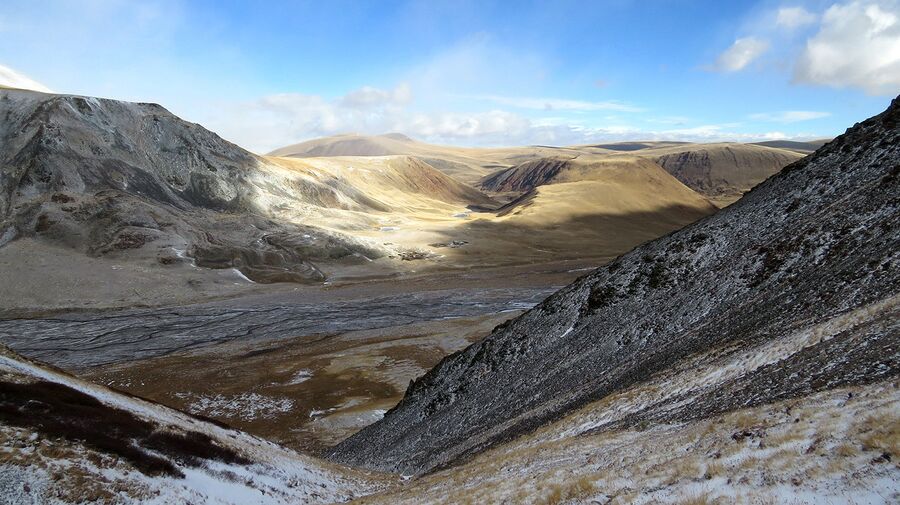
882, 433
697, 499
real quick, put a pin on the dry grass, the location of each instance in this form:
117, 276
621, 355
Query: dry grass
882, 433
746, 420
572, 489
697, 499
667, 464
715, 468
785, 436
846, 450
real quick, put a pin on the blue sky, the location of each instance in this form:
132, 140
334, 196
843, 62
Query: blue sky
264, 74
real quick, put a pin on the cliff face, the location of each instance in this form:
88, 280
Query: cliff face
814, 244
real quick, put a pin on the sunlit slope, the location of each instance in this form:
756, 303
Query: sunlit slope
389, 182
798, 146
465, 164
608, 186
595, 207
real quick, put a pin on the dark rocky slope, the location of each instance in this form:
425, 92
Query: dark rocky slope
814, 243
110, 177
526, 176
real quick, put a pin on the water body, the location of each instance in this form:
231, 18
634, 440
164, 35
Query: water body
87, 339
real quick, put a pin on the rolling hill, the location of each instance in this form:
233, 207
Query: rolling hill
468, 165
719, 171
791, 145
722, 172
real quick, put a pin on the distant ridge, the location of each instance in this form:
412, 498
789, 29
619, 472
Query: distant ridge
801, 147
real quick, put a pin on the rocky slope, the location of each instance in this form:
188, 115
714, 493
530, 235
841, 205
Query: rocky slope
807, 261
114, 178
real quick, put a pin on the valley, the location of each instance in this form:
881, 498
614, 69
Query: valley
415, 323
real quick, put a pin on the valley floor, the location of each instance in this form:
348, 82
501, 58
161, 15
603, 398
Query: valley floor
304, 366
304, 393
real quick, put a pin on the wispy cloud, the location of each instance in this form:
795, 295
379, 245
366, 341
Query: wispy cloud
277, 120
558, 104
789, 116
794, 17
742, 53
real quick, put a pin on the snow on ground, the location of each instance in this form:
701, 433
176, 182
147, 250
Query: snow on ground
245, 406
839, 446
300, 376
34, 469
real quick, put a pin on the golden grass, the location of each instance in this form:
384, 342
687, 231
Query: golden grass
882, 433
846, 450
785, 436
697, 499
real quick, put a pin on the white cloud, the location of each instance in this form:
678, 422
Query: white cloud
670, 120
278, 120
557, 104
368, 96
789, 116
12, 79
743, 52
794, 17
858, 45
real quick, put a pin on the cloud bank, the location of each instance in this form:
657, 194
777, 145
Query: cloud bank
853, 44
12, 79
857, 45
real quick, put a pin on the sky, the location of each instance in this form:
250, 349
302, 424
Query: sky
265, 74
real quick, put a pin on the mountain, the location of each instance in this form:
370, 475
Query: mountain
637, 146
110, 178
349, 145
77, 442
451, 161
625, 199
468, 165
790, 292
384, 178
11, 79
106, 203
722, 172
